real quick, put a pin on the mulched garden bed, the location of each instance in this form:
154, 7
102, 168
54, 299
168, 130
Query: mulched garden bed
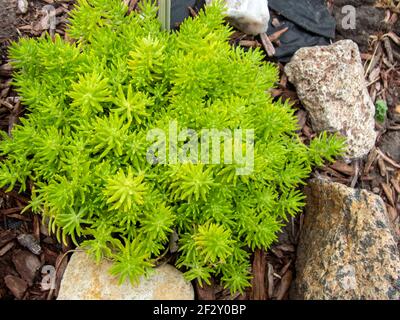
273, 270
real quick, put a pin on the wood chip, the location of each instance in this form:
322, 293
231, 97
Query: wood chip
388, 49
286, 247
392, 213
275, 22
19, 217
278, 253
387, 159
343, 167
6, 70
61, 265
396, 185
6, 236
16, 285
375, 59
301, 118
259, 291
284, 285
205, 291
374, 75
356, 173
382, 167
8, 211
267, 44
192, 12
249, 43
285, 268
388, 192
6, 248
270, 280
366, 56
394, 37
276, 35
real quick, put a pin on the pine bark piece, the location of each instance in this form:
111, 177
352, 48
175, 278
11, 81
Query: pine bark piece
26, 264
259, 291
16, 285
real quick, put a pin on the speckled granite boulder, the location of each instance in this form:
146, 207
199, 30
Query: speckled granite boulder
346, 248
330, 83
84, 280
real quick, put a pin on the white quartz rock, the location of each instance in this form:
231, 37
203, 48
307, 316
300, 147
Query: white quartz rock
249, 16
23, 6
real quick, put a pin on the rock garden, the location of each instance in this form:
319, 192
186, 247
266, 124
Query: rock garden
199, 150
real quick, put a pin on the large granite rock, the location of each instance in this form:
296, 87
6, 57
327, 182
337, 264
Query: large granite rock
346, 248
330, 83
85, 280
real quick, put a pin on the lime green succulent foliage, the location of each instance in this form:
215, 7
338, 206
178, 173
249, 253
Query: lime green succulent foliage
82, 142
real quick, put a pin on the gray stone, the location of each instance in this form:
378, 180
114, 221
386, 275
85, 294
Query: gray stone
29, 241
23, 6
390, 144
85, 280
369, 20
330, 83
346, 248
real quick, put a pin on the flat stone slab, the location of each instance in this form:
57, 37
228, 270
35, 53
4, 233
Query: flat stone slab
85, 280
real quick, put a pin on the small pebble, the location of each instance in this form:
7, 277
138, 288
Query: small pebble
30, 242
23, 6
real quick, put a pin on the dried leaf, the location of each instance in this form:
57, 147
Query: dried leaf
286, 247
371, 159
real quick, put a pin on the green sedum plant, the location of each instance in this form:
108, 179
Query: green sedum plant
83, 142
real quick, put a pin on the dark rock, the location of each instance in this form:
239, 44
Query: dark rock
369, 20
346, 249
7, 18
30, 242
16, 285
27, 265
390, 144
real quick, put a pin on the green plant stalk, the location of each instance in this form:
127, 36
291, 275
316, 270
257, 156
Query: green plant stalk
164, 13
